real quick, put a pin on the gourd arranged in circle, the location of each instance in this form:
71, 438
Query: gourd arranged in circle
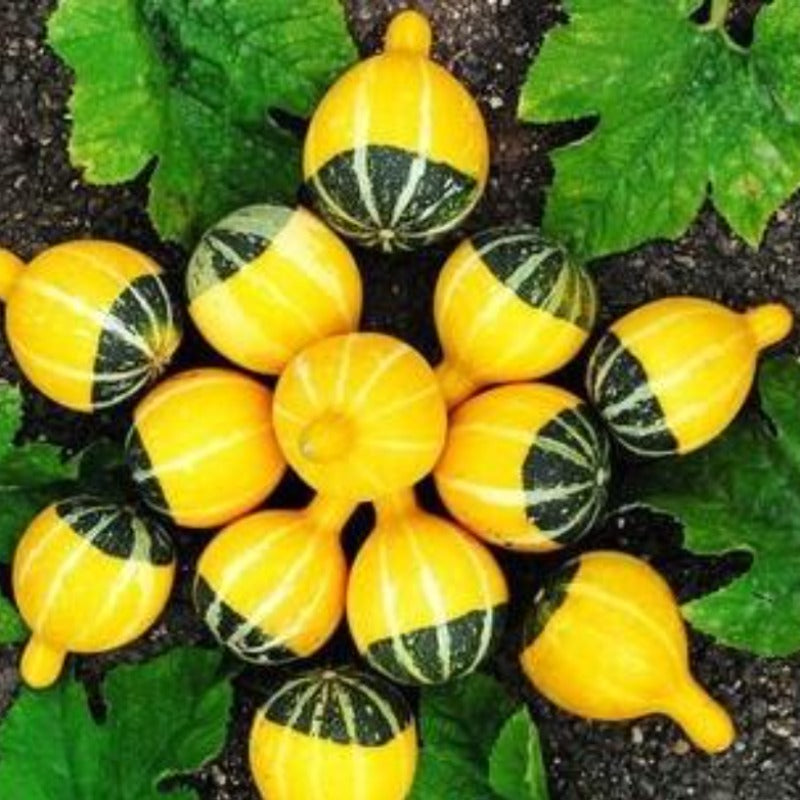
397, 153
605, 640
426, 603
202, 449
90, 323
526, 466
268, 280
338, 734
271, 586
671, 375
510, 305
88, 576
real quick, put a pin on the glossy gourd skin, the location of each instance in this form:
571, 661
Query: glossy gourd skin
335, 734
605, 640
672, 375
426, 603
202, 449
510, 305
359, 416
271, 586
268, 280
526, 467
90, 323
88, 576
397, 153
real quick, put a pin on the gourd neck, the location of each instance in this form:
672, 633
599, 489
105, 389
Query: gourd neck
456, 385
702, 718
327, 438
41, 663
10, 269
409, 32
328, 515
401, 503
769, 323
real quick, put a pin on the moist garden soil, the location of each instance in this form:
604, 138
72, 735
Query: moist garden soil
488, 44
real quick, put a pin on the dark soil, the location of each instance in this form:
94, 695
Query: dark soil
488, 43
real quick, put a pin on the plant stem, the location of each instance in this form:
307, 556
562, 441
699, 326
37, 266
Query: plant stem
718, 15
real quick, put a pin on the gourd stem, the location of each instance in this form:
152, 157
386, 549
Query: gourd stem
769, 323
397, 504
330, 514
718, 15
10, 268
409, 32
41, 663
703, 719
455, 384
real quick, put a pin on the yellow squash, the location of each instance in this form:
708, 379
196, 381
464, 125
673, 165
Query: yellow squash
88, 577
202, 448
605, 640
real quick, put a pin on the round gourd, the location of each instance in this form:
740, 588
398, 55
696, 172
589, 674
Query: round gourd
397, 153
426, 603
202, 449
271, 587
360, 416
525, 467
90, 323
605, 640
670, 376
510, 305
268, 280
88, 576
335, 734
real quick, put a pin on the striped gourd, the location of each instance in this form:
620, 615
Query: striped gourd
670, 376
90, 323
526, 467
510, 305
88, 576
605, 640
397, 153
341, 734
268, 280
360, 415
202, 449
271, 587
426, 603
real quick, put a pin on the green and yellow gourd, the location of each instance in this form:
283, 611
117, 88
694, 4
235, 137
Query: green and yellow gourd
268, 280
202, 449
426, 603
88, 577
90, 323
525, 467
672, 375
510, 305
397, 153
605, 640
337, 734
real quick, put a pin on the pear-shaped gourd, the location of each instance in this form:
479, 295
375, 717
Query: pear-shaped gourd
397, 152
88, 576
605, 640
670, 376
426, 603
336, 734
526, 467
510, 305
359, 416
202, 449
90, 323
267, 281
271, 586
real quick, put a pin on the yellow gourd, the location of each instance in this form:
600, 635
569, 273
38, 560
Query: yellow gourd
267, 281
90, 323
605, 640
672, 375
202, 449
88, 576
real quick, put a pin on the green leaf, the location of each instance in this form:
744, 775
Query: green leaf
165, 717
193, 85
516, 767
740, 494
12, 628
680, 108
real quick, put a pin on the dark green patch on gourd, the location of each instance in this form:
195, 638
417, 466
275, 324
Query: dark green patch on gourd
548, 600
142, 471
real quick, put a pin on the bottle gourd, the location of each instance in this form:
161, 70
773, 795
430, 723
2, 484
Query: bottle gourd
90, 323
88, 576
510, 305
605, 640
397, 153
672, 375
337, 734
268, 280
525, 467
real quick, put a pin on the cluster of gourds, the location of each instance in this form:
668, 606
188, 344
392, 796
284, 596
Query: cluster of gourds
396, 156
